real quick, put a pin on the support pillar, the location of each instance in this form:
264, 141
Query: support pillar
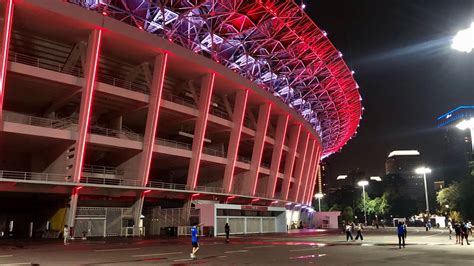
280, 135
152, 118
238, 119
6, 36
90, 70
302, 150
312, 174
207, 86
307, 167
250, 184
316, 175
290, 160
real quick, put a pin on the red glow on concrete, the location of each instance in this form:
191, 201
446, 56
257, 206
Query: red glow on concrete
287, 179
5, 46
229, 188
104, 13
147, 191
280, 151
155, 118
259, 159
82, 144
201, 141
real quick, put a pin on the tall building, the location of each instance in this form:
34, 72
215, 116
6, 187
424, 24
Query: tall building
112, 111
457, 126
400, 171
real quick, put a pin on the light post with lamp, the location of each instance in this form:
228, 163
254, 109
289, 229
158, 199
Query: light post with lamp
362, 184
319, 196
424, 171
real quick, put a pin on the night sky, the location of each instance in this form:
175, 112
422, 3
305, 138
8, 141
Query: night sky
407, 72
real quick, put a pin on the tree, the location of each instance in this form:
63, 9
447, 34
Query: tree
378, 206
347, 214
459, 197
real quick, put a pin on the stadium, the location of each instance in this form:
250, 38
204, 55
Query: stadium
122, 117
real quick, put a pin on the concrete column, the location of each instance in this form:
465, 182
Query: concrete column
280, 135
6, 36
311, 174
92, 59
152, 117
302, 150
314, 176
207, 86
307, 167
290, 160
238, 119
71, 211
137, 208
250, 184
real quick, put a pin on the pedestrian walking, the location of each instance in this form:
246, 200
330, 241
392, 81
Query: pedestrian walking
457, 230
359, 232
194, 240
227, 232
464, 233
66, 234
469, 227
349, 232
450, 229
401, 235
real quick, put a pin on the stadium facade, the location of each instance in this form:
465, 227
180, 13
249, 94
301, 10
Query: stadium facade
114, 108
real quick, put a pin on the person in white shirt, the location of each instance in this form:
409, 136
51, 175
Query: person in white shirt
66, 234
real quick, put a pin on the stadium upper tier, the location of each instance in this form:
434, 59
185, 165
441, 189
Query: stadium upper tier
273, 43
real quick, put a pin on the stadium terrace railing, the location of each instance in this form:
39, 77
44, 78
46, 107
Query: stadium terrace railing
118, 82
173, 144
167, 95
45, 64
34, 176
39, 121
64, 178
99, 169
214, 152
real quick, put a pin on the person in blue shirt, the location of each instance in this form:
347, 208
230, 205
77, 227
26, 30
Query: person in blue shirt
401, 234
194, 240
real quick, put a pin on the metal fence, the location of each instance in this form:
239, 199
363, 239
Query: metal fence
44, 63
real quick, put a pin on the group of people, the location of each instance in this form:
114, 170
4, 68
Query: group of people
462, 231
351, 227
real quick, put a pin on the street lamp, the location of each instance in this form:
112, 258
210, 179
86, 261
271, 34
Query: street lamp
319, 196
424, 171
464, 40
362, 184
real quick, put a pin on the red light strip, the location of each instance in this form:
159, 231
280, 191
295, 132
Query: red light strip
315, 175
301, 190
289, 167
260, 153
280, 152
204, 125
300, 167
5, 46
303, 175
312, 166
88, 103
156, 112
312, 174
239, 130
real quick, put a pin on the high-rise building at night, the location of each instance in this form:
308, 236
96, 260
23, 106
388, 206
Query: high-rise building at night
400, 171
112, 111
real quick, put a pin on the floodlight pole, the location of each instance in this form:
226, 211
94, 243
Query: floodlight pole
426, 194
365, 208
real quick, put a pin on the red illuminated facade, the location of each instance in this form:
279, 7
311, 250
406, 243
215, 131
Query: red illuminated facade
136, 103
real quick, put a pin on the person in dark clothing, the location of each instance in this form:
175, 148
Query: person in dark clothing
464, 233
227, 232
359, 232
457, 230
401, 235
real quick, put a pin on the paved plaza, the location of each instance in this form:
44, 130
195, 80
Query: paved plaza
305, 247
